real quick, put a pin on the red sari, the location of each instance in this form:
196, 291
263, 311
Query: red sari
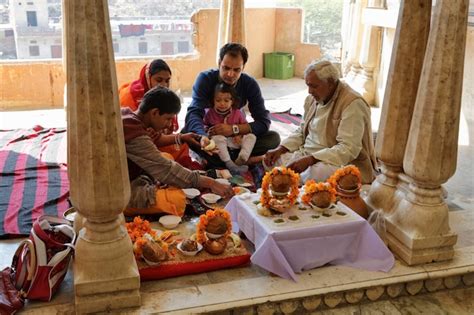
131, 94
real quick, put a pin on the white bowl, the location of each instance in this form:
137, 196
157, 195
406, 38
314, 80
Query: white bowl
211, 198
170, 221
191, 193
186, 253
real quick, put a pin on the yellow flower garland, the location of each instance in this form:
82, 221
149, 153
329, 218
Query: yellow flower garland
204, 221
295, 180
346, 170
311, 187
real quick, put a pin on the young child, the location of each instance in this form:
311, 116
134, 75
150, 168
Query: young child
225, 111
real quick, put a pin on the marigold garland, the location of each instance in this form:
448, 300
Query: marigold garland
139, 227
204, 221
295, 180
311, 187
346, 170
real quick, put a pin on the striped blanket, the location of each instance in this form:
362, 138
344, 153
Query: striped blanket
33, 177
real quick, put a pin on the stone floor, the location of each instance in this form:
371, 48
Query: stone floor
438, 288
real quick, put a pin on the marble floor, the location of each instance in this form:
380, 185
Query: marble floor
438, 288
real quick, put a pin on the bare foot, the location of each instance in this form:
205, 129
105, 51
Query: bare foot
255, 160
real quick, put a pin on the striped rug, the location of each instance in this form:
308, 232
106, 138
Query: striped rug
33, 177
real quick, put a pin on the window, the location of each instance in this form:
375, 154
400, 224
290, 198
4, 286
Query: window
142, 48
34, 51
31, 18
56, 51
167, 48
183, 47
8, 33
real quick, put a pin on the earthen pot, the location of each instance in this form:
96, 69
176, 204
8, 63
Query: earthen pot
353, 200
215, 246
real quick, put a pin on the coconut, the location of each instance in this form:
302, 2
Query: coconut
348, 182
217, 225
321, 199
281, 183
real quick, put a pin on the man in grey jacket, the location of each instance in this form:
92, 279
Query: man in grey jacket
336, 130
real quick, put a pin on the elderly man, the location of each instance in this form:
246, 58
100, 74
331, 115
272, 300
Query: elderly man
336, 130
232, 60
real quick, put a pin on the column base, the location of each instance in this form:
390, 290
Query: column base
415, 249
413, 256
107, 301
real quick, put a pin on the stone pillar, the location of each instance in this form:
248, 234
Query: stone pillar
105, 271
418, 230
231, 23
355, 41
404, 74
369, 58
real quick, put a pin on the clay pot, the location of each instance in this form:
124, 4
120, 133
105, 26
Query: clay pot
349, 182
353, 200
321, 199
217, 225
215, 246
281, 183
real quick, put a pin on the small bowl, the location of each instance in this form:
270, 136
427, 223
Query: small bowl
170, 221
214, 236
186, 253
191, 193
211, 198
279, 221
151, 263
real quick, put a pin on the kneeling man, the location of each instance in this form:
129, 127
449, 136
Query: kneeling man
336, 130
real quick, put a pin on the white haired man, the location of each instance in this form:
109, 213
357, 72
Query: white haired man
336, 130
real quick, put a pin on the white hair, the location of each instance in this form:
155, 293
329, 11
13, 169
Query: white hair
324, 69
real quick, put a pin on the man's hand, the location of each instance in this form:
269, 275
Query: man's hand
221, 129
273, 155
302, 164
223, 190
191, 139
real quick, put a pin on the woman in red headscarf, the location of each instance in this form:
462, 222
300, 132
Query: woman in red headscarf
158, 73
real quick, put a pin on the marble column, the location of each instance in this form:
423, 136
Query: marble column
105, 271
231, 23
418, 230
369, 58
355, 41
399, 100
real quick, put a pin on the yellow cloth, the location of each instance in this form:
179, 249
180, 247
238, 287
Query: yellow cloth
170, 200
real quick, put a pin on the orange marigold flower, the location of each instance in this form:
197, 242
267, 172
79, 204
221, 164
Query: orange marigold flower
311, 187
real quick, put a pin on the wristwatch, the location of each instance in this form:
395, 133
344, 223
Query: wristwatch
235, 129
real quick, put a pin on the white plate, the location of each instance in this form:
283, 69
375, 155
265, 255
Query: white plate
191, 193
186, 253
223, 181
213, 236
210, 198
245, 184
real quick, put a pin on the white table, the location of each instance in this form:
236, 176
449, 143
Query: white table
311, 242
